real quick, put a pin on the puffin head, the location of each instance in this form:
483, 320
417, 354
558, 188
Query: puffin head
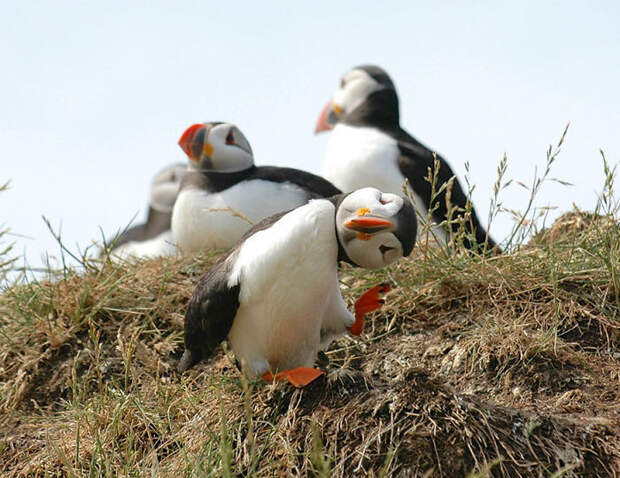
375, 228
165, 187
366, 95
216, 147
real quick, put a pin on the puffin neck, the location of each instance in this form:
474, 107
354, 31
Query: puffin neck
342, 253
380, 110
214, 174
223, 180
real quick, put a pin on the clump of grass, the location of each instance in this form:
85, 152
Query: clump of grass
479, 365
504, 361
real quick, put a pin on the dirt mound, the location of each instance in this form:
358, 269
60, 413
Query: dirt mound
504, 366
571, 225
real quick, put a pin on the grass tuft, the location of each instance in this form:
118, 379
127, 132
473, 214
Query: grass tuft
489, 366
478, 365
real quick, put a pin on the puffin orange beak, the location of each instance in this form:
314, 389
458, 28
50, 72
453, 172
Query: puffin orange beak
326, 121
368, 224
188, 141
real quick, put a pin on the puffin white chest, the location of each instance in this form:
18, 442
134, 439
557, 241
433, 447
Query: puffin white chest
203, 220
359, 157
288, 280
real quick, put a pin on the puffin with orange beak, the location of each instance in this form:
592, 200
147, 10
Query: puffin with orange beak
368, 147
276, 298
223, 193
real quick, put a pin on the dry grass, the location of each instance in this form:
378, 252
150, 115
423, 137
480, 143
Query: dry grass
497, 366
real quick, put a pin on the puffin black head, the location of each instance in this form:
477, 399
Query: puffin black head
165, 187
216, 147
375, 228
366, 97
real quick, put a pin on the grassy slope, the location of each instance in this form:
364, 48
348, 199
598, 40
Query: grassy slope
507, 365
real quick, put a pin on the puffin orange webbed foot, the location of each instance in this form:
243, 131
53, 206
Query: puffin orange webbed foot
298, 377
368, 302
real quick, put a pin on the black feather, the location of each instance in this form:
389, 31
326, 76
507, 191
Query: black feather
210, 312
316, 186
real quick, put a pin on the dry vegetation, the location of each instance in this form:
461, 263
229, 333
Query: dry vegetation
502, 366
505, 365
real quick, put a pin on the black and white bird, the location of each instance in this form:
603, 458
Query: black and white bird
276, 296
154, 237
368, 147
224, 193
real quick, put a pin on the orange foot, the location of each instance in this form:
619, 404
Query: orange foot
298, 377
368, 302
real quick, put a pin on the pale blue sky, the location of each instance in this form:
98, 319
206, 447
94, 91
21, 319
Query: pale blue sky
94, 95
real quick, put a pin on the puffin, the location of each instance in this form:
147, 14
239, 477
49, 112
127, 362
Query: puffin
154, 237
275, 296
224, 193
368, 147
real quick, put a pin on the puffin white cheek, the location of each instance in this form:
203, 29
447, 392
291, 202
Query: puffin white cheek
395, 250
339, 97
357, 90
365, 254
231, 159
392, 255
350, 97
392, 204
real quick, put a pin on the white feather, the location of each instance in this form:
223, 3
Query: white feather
289, 291
203, 220
160, 245
358, 157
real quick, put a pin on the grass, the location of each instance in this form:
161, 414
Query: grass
496, 365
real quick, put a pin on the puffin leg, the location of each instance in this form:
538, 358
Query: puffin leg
298, 377
368, 302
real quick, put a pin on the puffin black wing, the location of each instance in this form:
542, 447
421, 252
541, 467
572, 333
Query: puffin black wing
414, 161
156, 223
213, 181
210, 312
317, 186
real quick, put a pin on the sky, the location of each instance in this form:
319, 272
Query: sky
95, 95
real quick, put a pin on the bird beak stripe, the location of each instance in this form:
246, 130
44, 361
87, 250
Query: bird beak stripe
323, 123
207, 149
368, 224
187, 138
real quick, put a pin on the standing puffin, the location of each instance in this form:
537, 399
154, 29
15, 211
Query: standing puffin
276, 297
224, 193
153, 238
367, 147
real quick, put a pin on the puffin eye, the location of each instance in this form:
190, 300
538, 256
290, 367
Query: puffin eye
384, 201
230, 139
342, 82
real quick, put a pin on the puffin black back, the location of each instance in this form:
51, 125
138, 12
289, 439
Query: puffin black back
210, 312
